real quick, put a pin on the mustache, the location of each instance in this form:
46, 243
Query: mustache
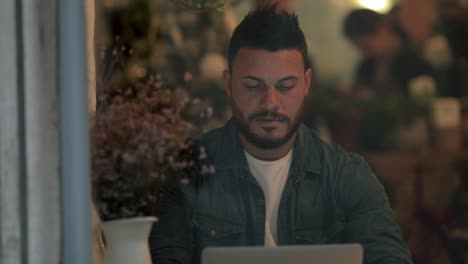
270, 115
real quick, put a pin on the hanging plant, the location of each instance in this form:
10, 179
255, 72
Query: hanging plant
202, 5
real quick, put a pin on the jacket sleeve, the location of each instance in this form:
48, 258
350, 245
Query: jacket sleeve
369, 219
171, 237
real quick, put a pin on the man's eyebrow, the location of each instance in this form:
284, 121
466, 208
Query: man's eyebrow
293, 78
252, 78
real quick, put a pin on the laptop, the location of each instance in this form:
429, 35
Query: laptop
323, 254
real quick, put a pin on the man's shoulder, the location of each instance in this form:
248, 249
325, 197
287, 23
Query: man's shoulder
329, 154
215, 137
212, 135
222, 145
364, 70
315, 153
344, 172
412, 63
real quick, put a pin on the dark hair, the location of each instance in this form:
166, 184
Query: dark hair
362, 22
268, 29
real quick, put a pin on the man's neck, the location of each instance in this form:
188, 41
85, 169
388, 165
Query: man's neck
268, 154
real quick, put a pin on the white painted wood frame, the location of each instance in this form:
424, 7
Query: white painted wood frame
29, 138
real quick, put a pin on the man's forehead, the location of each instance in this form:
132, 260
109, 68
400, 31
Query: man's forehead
254, 58
265, 52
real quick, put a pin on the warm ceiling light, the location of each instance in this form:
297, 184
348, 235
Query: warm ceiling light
376, 5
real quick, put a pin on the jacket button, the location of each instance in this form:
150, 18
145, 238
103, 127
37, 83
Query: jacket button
260, 202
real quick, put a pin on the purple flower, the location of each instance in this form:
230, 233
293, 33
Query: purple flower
136, 140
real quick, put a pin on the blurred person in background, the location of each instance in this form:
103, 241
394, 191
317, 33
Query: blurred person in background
389, 63
431, 39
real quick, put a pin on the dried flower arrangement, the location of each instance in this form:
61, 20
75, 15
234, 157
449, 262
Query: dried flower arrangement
137, 140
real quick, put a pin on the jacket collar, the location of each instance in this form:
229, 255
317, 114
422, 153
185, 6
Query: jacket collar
306, 154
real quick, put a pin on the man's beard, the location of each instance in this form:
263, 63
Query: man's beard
258, 141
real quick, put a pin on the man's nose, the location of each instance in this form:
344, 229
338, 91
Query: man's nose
270, 97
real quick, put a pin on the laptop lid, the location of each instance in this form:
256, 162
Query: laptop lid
322, 254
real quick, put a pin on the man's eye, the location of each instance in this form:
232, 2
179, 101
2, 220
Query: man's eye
253, 86
286, 85
285, 88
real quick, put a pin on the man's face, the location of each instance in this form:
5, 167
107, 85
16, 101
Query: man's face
267, 91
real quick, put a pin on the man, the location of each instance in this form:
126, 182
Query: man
275, 182
389, 64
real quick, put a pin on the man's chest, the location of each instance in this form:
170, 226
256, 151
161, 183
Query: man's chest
233, 213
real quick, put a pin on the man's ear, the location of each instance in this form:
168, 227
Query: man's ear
308, 80
227, 82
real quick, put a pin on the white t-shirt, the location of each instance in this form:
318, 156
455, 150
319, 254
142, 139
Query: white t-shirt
272, 176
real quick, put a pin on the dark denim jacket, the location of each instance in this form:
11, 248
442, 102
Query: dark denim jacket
329, 197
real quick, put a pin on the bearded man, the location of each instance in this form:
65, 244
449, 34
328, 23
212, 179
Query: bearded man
275, 182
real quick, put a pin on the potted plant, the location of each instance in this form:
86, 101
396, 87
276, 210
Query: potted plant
138, 137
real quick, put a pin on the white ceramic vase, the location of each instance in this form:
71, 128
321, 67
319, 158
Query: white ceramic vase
127, 240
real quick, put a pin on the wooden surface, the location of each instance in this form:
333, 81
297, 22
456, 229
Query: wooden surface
402, 172
416, 182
